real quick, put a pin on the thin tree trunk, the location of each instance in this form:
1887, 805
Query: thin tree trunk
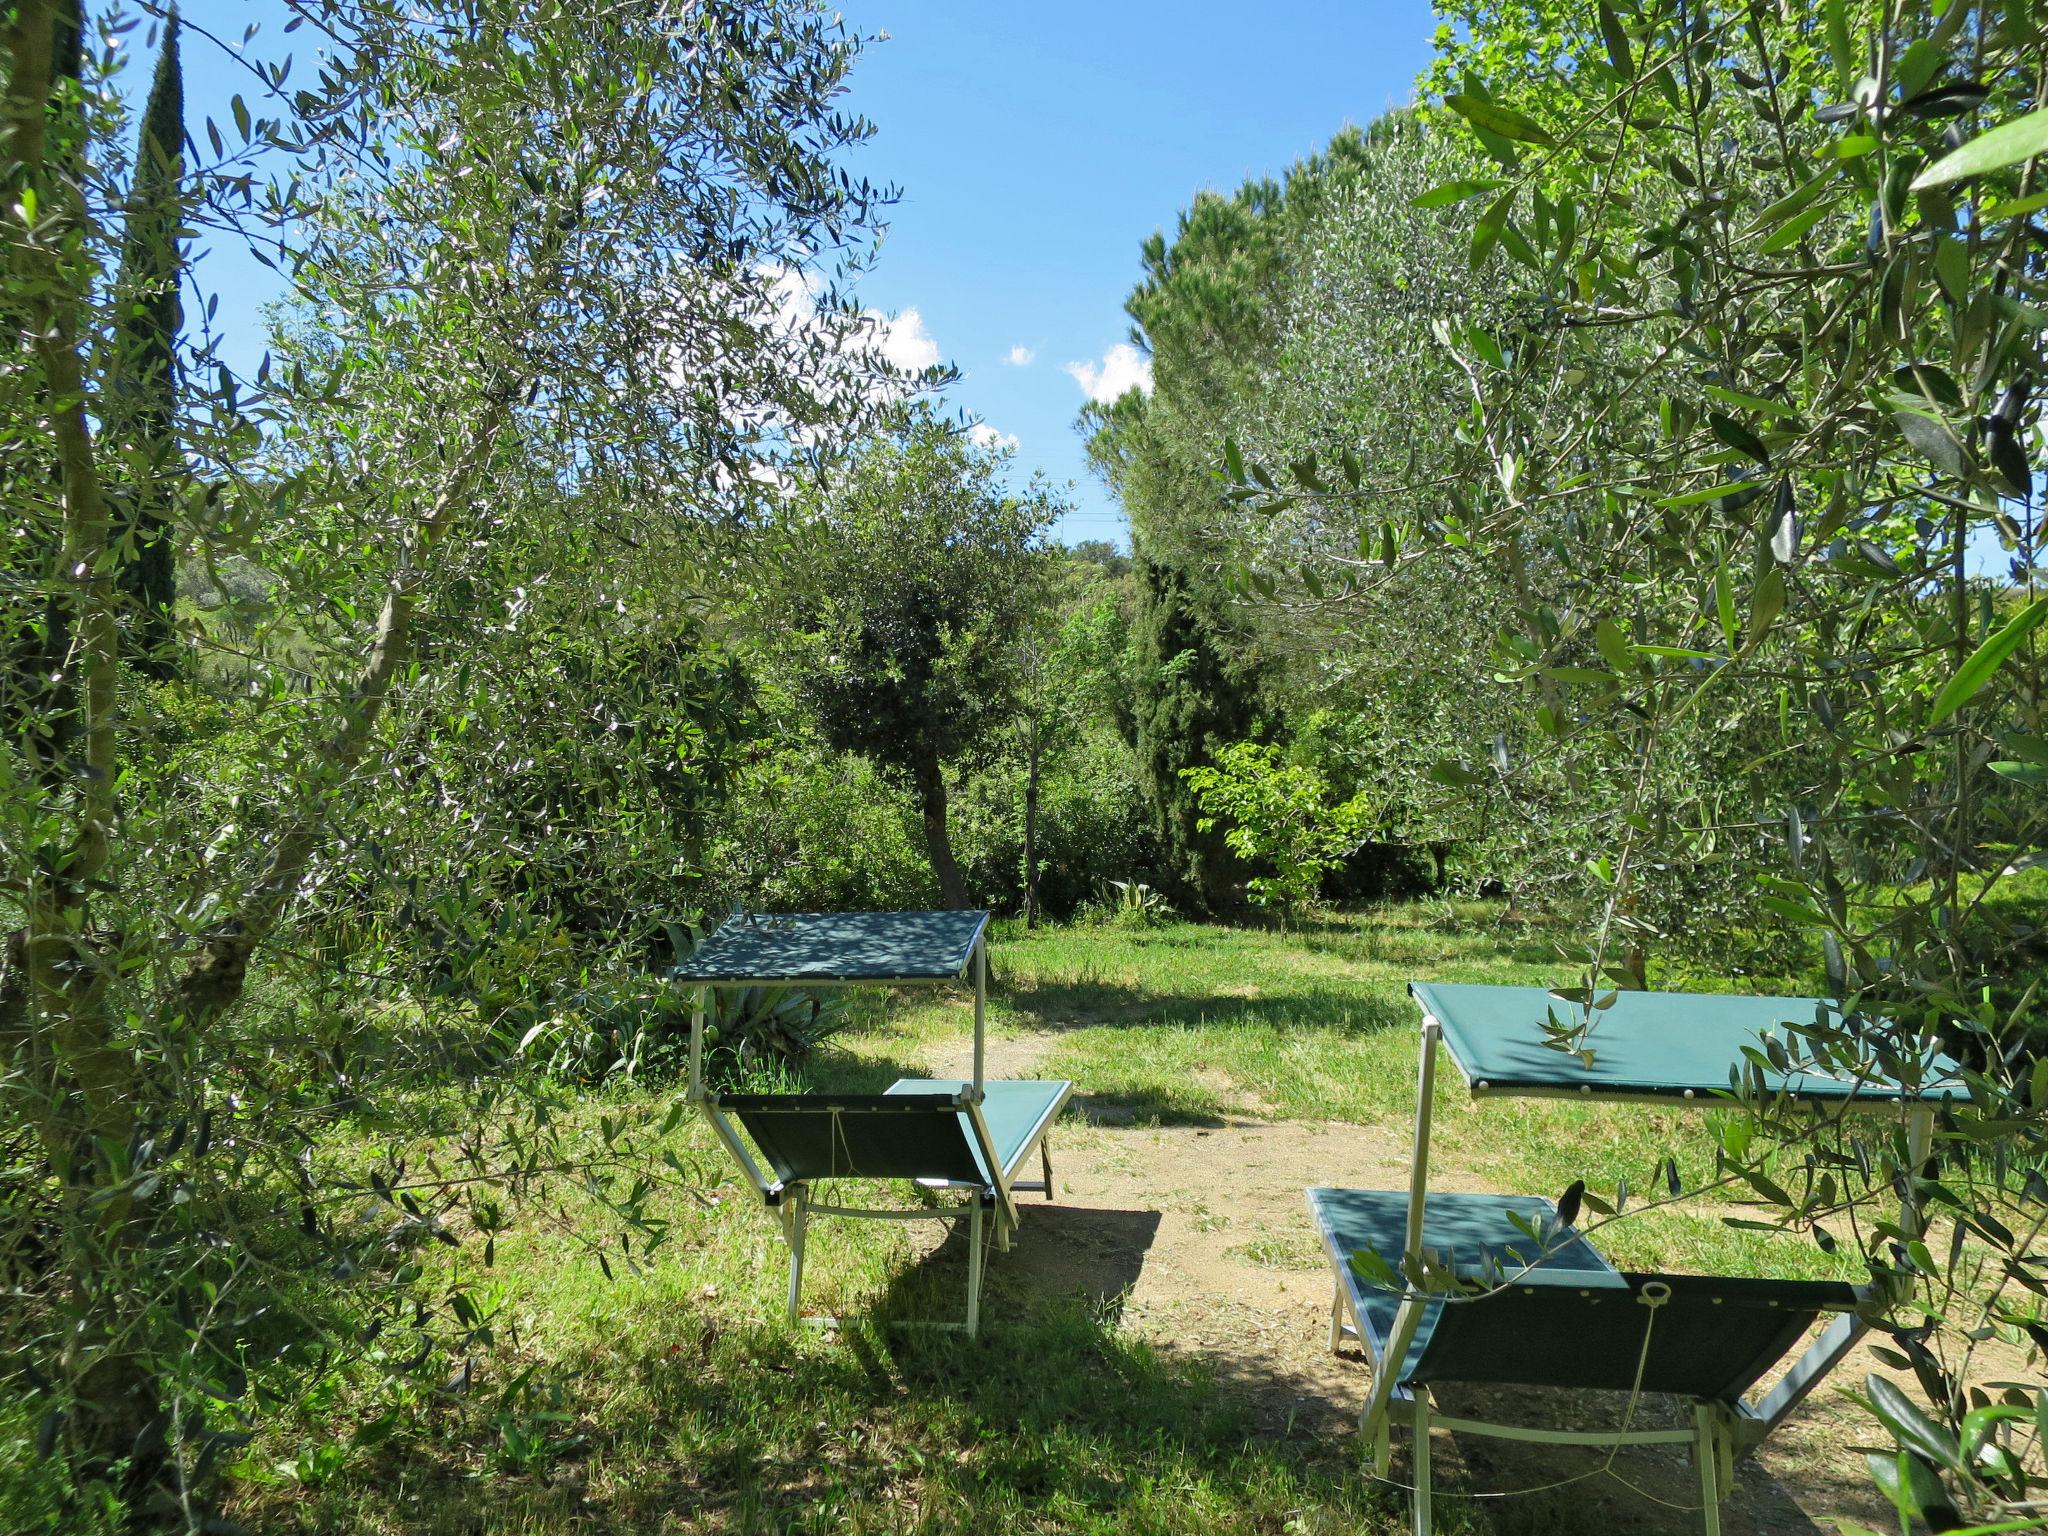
62, 1010
1033, 759
214, 980
931, 796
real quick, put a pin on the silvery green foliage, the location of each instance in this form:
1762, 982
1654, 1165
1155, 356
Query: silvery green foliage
560, 319
1770, 339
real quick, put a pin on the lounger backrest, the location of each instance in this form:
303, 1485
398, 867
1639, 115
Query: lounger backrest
1712, 1338
811, 1136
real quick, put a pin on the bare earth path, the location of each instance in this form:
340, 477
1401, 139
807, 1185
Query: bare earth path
1198, 1239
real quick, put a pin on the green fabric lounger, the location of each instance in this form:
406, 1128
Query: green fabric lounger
920, 1129
1659, 1046
1564, 1317
931, 1131
1556, 1314
941, 1133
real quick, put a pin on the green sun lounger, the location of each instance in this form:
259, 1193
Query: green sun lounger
934, 1133
970, 1137
1552, 1312
1534, 1304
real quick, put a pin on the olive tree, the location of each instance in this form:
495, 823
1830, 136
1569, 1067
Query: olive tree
920, 570
1766, 373
538, 260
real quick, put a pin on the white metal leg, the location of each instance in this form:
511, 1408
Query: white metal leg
1378, 1436
700, 997
1421, 1459
980, 1005
974, 1270
1409, 1317
1707, 1453
1336, 1317
796, 1251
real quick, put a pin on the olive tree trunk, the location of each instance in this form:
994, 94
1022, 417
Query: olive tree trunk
931, 799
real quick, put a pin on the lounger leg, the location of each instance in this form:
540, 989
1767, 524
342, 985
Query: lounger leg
1421, 1460
1374, 1432
1707, 1454
796, 1251
974, 1270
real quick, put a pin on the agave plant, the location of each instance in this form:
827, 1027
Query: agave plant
640, 1027
1132, 904
747, 1027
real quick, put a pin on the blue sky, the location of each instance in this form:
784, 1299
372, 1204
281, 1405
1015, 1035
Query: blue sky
1036, 145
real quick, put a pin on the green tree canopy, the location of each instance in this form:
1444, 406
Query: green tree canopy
920, 568
1756, 407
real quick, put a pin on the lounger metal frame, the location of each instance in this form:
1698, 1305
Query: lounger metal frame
1719, 1436
989, 1209
795, 1204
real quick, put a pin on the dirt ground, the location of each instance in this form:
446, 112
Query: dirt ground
1198, 1238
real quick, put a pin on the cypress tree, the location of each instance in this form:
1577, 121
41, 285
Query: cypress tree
67, 46
35, 624
144, 367
1196, 691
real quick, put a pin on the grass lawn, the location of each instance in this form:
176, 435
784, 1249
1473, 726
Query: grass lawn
675, 1399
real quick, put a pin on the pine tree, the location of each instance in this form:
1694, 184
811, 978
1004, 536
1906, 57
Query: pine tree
143, 373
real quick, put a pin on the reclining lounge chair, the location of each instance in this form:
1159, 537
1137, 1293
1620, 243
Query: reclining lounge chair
1442, 1288
973, 1138
1555, 1313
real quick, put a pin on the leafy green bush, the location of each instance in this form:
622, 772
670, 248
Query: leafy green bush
1126, 904
809, 829
639, 1027
1281, 815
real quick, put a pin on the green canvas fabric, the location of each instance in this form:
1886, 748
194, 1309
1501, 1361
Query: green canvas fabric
1467, 1233
916, 1130
1572, 1320
873, 947
1708, 1337
1661, 1044
1015, 1112
810, 1136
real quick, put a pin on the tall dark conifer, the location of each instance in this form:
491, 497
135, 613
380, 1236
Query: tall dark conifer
37, 709
143, 375
1197, 690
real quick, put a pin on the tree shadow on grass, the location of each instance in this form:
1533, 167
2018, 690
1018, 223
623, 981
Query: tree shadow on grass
686, 1414
1052, 1420
1431, 950
1151, 1106
1087, 1257
1060, 1006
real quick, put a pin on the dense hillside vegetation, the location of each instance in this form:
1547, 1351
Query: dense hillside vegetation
1605, 490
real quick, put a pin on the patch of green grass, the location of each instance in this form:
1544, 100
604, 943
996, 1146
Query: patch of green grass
1292, 1251
672, 1397
1187, 1024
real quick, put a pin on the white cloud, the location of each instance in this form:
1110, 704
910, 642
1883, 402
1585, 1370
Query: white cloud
982, 435
903, 341
1021, 356
897, 344
1123, 368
